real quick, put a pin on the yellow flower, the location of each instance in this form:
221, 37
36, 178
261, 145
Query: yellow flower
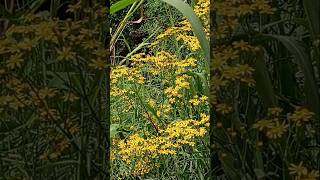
14, 61
223, 108
152, 103
297, 169
45, 31
66, 54
74, 8
263, 124
242, 45
300, 116
244, 9
70, 97
277, 130
195, 101
312, 175
263, 6
47, 92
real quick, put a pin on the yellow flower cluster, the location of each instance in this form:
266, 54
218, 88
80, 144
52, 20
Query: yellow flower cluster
275, 126
183, 32
233, 10
198, 100
29, 52
228, 67
164, 97
141, 152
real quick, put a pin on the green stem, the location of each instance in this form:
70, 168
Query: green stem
123, 23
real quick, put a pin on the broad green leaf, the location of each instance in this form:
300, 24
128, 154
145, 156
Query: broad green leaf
121, 5
194, 20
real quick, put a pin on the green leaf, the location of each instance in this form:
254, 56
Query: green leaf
121, 5
197, 27
201, 82
302, 57
312, 8
114, 130
263, 82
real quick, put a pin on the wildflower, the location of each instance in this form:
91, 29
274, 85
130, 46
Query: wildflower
217, 83
45, 31
152, 103
300, 116
298, 170
312, 175
263, 124
277, 130
263, 6
192, 41
70, 97
74, 8
47, 92
195, 101
244, 9
66, 54
223, 108
15, 61
242, 45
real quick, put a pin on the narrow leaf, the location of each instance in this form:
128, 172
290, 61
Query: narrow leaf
121, 5
197, 27
263, 82
298, 50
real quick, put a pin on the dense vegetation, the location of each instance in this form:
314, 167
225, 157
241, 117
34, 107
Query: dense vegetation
53, 69
264, 89
159, 108
143, 81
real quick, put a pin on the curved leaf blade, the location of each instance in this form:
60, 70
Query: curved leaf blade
197, 27
302, 57
121, 5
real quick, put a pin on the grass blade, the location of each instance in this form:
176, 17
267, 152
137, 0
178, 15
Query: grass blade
298, 50
264, 83
312, 8
197, 27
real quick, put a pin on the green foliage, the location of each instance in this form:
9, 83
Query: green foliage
53, 101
